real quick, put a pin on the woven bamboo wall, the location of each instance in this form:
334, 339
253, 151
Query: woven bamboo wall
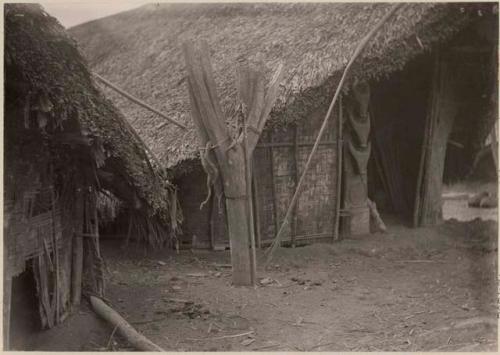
278, 162
28, 233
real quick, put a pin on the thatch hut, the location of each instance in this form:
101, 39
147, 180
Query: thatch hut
70, 156
140, 50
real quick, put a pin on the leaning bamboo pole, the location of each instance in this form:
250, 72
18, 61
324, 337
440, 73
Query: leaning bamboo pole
248, 178
276, 242
340, 138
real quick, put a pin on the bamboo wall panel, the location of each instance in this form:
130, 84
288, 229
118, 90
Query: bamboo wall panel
277, 174
316, 204
265, 193
284, 182
27, 237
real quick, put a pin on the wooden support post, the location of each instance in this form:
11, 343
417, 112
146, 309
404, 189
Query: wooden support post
296, 181
76, 278
442, 112
340, 138
7, 300
77, 258
231, 156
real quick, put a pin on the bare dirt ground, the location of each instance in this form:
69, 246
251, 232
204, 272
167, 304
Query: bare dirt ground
408, 290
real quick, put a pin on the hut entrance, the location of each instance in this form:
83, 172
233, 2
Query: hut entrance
399, 109
24, 317
430, 123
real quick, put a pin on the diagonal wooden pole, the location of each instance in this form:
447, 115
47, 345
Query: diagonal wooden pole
359, 48
137, 101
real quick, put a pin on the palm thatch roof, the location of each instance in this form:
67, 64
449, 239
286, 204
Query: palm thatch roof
46, 75
140, 50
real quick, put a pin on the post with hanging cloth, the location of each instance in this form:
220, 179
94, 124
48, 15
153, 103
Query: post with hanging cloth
359, 48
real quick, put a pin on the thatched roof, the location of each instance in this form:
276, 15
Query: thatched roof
140, 50
46, 74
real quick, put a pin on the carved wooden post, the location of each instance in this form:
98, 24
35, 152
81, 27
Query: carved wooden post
357, 152
224, 151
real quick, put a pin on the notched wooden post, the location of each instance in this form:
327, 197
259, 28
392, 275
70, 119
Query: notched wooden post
231, 156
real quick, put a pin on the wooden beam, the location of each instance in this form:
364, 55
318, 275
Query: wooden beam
293, 144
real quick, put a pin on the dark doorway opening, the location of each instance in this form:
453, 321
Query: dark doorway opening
24, 316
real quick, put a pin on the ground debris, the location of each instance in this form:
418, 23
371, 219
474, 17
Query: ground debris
267, 281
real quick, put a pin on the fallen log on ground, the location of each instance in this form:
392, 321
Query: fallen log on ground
139, 341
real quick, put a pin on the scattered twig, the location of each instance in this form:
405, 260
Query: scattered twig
449, 345
149, 321
414, 315
111, 336
378, 317
176, 300
227, 266
222, 337
266, 347
320, 345
421, 261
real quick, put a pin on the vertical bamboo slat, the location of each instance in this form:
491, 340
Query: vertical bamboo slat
273, 190
339, 171
256, 205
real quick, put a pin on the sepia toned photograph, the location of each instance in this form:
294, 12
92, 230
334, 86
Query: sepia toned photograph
253, 176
